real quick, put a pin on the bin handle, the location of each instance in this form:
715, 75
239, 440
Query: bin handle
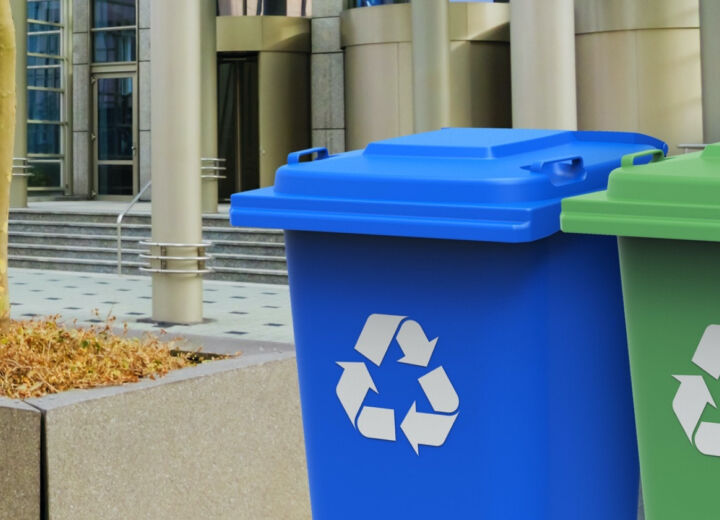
321, 151
628, 160
562, 170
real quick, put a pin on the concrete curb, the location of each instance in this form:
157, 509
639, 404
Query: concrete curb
220, 440
20, 460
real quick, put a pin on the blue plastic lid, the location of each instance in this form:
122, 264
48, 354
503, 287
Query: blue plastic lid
502, 185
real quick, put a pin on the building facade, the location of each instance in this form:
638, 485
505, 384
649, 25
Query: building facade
296, 73
88, 76
88, 93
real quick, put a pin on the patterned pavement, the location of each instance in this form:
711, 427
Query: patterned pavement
235, 314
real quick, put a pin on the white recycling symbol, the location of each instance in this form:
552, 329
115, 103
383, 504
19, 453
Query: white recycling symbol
693, 396
427, 429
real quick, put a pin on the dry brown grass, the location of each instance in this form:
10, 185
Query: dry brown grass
39, 357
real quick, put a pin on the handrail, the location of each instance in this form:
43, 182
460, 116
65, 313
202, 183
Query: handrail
21, 169
118, 224
200, 257
217, 166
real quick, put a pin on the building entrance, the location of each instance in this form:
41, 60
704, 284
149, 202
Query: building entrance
114, 136
238, 123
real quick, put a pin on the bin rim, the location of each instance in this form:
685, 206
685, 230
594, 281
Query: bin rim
676, 198
500, 185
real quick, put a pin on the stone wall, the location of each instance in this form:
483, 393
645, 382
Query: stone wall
327, 76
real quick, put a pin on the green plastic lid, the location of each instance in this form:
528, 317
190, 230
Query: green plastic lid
668, 197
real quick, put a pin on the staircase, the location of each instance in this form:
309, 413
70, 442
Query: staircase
86, 241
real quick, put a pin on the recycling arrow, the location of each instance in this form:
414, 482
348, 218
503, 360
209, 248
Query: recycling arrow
439, 391
377, 423
372, 422
376, 336
379, 331
428, 429
690, 401
414, 343
354, 384
693, 396
707, 439
707, 355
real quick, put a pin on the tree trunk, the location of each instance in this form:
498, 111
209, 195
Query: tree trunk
7, 131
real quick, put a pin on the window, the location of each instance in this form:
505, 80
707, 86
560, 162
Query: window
46, 93
264, 7
114, 31
370, 3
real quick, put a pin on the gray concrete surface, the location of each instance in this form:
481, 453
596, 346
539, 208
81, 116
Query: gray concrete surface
19, 460
222, 440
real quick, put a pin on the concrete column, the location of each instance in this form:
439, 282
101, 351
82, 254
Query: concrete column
80, 113
19, 15
542, 48
18, 185
144, 101
431, 64
710, 63
327, 76
176, 76
209, 145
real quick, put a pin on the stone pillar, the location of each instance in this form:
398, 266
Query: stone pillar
81, 102
431, 64
327, 77
638, 69
209, 136
542, 47
18, 186
710, 63
143, 81
176, 76
19, 15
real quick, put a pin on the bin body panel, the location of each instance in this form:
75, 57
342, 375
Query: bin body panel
532, 338
671, 290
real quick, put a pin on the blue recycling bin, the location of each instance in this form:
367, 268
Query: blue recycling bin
458, 357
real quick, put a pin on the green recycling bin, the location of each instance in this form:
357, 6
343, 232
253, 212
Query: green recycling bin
666, 213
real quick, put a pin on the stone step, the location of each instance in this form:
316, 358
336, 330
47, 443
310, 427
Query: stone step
78, 240
132, 256
104, 266
87, 242
212, 220
250, 248
134, 230
273, 263
273, 249
72, 252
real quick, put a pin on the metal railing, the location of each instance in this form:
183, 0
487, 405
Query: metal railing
686, 147
20, 167
118, 224
201, 258
212, 165
263, 7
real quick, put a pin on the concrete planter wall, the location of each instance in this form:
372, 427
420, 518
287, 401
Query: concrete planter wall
222, 440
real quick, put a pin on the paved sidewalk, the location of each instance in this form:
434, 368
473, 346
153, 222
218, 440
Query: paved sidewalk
237, 315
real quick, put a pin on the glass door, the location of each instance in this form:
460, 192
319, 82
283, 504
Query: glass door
238, 123
115, 134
